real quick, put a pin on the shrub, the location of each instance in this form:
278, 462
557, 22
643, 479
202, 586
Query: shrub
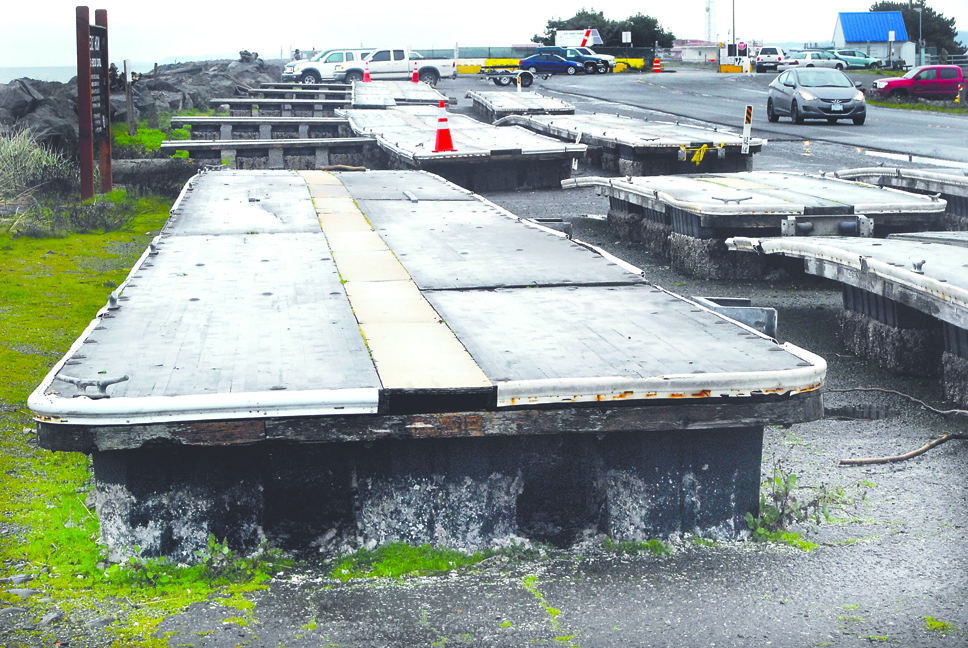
27, 166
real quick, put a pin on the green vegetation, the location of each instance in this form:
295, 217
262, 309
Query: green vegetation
782, 505
50, 289
146, 142
28, 168
914, 104
398, 560
654, 547
937, 625
645, 30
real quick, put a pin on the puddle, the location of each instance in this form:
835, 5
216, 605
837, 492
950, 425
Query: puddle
858, 412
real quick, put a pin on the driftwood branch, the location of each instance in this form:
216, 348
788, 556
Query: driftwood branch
913, 453
903, 457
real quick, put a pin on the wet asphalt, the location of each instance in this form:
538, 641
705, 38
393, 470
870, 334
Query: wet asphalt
889, 567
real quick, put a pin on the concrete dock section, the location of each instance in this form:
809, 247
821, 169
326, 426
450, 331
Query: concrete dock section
383, 94
492, 106
636, 147
905, 298
486, 158
949, 184
229, 128
687, 218
388, 357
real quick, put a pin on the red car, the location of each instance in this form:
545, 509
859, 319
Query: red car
927, 82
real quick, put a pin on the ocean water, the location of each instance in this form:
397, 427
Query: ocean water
62, 73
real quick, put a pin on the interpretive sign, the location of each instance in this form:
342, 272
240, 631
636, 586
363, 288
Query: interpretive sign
100, 100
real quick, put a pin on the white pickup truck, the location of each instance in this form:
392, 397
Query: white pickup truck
385, 64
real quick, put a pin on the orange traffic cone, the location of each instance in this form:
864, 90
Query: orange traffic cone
656, 67
366, 72
444, 143
415, 78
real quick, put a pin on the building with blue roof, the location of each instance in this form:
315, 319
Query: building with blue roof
871, 32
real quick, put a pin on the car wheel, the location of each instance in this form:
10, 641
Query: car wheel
502, 81
760, 69
533, 70
875, 66
526, 80
589, 68
896, 94
602, 69
839, 67
429, 77
354, 76
770, 113
859, 121
571, 70
309, 77
795, 116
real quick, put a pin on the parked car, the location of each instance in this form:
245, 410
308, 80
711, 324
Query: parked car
858, 59
610, 60
768, 58
397, 65
927, 82
549, 64
811, 59
590, 64
815, 93
322, 66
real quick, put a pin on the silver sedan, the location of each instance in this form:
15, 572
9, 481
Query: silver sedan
813, 59
815, 93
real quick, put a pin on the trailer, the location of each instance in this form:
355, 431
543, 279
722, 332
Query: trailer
505, 75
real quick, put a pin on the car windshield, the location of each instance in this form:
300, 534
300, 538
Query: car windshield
911, 73
823, 78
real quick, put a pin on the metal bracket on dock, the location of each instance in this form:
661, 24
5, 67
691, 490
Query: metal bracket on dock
763, 319
827, 225
84, 383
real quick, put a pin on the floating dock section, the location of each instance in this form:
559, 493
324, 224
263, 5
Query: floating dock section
249, 128
949, 184
384, 356
687, 218
492, 106
487, 158
905, 298
636, 147
309, 153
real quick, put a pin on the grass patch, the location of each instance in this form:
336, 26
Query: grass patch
953, 109
50, 290
399, 560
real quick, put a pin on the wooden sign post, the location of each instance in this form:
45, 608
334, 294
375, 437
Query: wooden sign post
93, 99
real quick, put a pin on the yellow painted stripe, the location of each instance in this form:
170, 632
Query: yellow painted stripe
412, 347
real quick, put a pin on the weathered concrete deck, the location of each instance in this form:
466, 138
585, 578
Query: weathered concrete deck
496, 105
949, 184
905, 298
229, 128
636, 147
383, 94
687, 218
387, 356
487, 158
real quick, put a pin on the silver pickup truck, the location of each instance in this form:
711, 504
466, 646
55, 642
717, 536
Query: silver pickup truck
398, 64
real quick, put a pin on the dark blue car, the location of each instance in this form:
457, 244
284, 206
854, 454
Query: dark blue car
549, 64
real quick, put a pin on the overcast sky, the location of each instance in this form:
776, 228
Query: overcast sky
42, 34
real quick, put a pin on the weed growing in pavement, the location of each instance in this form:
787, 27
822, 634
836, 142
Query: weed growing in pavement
782, 505
654, 547
937, 625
